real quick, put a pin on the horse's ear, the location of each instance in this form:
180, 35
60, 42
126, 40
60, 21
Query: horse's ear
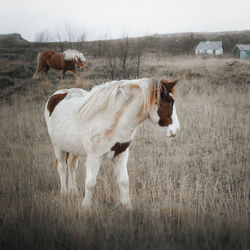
169, 85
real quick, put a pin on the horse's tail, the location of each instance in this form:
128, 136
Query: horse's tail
36, 75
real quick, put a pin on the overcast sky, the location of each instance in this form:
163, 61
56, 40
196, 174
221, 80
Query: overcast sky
115, 18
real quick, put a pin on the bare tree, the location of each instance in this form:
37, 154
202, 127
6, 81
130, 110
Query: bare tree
60, 41
81, 40
43, 37
112, 59
124, 54
69, 35
139, 51
123, 58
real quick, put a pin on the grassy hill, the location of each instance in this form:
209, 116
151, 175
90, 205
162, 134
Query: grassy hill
18, 56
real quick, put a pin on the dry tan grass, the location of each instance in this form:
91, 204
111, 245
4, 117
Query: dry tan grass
189, 192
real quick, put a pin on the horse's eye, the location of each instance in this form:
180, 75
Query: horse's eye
171, 104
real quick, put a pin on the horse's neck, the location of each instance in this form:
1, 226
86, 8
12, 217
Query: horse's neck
69, 63
129, 116
121, 119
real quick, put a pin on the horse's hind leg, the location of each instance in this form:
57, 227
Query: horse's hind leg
63, 74
72, 166
46, 73
39, 68
121, 174
62, 158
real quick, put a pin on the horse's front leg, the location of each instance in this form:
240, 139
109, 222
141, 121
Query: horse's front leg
63, 73
121, 174
46, 74
75, 73
92, 168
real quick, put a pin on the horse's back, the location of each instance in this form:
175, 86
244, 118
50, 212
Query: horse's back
63, 95
47, 54
72, 93
61, 114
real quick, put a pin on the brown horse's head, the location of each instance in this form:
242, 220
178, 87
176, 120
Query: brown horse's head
81, 64
76, 56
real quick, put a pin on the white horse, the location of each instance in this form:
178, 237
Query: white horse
102, 123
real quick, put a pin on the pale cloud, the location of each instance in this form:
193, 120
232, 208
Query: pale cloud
119, 18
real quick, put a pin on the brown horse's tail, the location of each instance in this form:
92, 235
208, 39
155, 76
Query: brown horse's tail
36, 75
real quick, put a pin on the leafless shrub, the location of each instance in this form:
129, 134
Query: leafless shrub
124, 58
44, 37
139, 52
69, 37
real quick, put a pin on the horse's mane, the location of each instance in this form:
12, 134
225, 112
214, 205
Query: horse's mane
103, 97
71, 54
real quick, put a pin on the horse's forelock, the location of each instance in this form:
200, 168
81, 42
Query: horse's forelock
82, 58
154, 93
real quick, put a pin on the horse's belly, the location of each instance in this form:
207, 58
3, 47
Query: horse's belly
54, 63
64, 130
67, 139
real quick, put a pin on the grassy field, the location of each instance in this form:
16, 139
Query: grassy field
188, 192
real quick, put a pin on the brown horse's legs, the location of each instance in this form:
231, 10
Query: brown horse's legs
40, 67
75, 73
46, 73
63, 73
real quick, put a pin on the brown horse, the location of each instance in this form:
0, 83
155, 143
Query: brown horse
61, 61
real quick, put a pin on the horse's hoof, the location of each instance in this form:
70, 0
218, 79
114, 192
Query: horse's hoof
73, 191
128, 206
86, 205
63, 192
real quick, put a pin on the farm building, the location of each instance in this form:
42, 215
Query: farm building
242, 51
210, 48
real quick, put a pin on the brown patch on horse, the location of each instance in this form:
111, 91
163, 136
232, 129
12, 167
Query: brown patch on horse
53, 101
173, 91
67, 157
118, 115
165, 106
120, 147
154, 94
141, 115
133, 86
169, 85
165, 112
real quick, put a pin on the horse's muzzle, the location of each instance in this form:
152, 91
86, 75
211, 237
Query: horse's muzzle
172, 131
